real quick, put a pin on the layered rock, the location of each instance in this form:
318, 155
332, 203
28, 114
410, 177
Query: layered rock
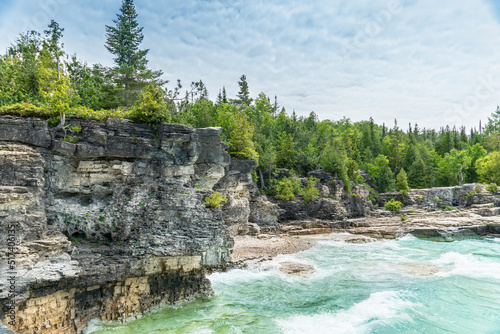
108, 219
333, 204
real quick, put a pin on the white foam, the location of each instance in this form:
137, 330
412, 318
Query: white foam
467, 265
380, 306
93, 326
237, 276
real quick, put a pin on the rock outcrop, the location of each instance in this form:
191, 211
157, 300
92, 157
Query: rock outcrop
333, 204
107, 222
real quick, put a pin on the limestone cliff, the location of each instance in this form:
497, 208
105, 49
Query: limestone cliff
108, 219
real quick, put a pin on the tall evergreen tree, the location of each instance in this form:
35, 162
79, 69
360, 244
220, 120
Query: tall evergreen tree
244, 94
123, 40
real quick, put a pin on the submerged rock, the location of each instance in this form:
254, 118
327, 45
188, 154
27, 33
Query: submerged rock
298, 269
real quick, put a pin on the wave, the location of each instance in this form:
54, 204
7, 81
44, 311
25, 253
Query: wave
467, 265
379, 307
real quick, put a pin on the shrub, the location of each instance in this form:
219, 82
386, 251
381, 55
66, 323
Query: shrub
76, 128
404, 218
449, 208
286, 188
310, 192
215, 200
492, 188
27, 110
419, 199
151, 106
478, 189
71, 139
471, 194
436, 199
393, 205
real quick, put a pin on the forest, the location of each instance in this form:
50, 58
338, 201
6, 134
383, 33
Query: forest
38, 78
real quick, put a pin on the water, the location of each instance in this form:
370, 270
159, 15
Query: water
398, 286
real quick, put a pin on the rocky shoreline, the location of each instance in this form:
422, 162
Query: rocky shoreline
113, 224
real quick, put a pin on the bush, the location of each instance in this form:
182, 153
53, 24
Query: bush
436, 199
492, 188
478, 189
393, 205
404, 218
215, 200
71, 139
310, 192
449, 208
151, 106
27, 110
286, 188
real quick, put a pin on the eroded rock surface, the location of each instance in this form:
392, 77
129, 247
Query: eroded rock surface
109, 225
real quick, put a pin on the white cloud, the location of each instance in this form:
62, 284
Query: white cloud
422, 61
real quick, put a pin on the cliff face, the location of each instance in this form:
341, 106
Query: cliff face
109, 225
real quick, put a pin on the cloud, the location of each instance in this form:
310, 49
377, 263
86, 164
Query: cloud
419, 61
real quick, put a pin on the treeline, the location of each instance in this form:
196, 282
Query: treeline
38, 78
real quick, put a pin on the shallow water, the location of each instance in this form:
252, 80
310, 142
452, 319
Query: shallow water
398, 286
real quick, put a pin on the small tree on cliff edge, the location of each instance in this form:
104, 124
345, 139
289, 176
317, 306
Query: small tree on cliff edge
402, 182
131, 73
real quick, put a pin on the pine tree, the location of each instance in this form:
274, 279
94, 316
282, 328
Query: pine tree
244, 94
402, 182
123, 40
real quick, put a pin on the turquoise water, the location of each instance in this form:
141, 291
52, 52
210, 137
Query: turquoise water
398, 286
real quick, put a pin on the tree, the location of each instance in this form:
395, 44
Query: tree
402, 182
243, 96
493, 125
381, 174
334, 159
452, 168
51, 44
237, 132
488, 168
123, 40
286, 153
151, 106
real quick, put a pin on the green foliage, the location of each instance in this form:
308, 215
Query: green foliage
38, 79
452, 168
237, 131
130, 73
286, 188
404, 218
310, 192
381, 174
27, 110
402, 182
151, 106
478, 189
393, 205
488, 168
492, 188
75, 128
215, 200
449, 208
334, 159
71, 139
436, 199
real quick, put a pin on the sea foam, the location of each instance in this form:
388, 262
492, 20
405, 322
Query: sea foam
381, 306
467, 265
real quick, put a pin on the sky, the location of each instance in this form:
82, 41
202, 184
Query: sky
429, 62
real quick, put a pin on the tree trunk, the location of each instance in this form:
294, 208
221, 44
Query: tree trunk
261, 179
